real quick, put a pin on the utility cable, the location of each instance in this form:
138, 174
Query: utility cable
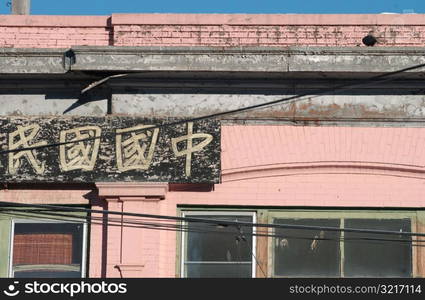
134, 224
212, 221
243, 238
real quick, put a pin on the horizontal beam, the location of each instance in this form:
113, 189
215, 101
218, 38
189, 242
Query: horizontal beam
32, 61
319, 60
281, 60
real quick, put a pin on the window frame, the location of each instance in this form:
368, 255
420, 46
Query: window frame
211, 212
341, 215
41, 220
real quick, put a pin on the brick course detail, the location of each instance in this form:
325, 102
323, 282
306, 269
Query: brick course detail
210, 30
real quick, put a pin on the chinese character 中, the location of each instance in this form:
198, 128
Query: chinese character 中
189, 146
134, 150
81, 154
24, 134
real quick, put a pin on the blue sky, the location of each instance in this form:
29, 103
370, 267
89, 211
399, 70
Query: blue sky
106, 7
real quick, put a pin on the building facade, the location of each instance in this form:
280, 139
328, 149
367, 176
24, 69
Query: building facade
338, 147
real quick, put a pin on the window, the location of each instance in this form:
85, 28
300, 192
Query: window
301, 252
211, 250
325, 247
316, 252
377, 257
47, 249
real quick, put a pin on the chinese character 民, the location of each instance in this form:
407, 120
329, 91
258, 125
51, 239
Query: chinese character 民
21, 138
134, 149
189, 146
81, 154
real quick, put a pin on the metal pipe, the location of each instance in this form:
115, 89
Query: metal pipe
21, 7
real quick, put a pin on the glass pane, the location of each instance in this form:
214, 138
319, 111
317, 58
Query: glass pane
227, 270
209, 242
42, 248
308, 253
224, 250
47, 244
377, 258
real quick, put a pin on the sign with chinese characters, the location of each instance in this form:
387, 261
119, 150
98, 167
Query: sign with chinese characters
96, 149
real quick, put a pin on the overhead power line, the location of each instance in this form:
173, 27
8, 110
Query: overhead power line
361, 83
212, 221
199, 228
240, 236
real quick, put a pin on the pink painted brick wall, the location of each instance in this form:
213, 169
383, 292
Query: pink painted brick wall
53, 31
46, 37
210, 30
271, 165
355, 167
262, 167
291, 145
276, 30
260, 35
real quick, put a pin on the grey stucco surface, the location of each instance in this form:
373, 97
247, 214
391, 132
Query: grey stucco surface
40, 105
162, 88
319, 107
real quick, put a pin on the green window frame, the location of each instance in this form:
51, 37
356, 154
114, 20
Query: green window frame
264, 244
342, 216
7, 225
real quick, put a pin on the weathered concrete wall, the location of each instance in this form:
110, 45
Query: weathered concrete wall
40, 105
312, 108
405, 110
217, 30
188, 82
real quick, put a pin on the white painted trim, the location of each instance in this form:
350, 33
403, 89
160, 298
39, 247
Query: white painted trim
12, 235
84, 254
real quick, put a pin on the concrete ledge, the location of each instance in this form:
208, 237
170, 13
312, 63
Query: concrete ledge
291, 59
178, 59
307, 50
354, 62
203, 59
45, 196
132, 191
32, 61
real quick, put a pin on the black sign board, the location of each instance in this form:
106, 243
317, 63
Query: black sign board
99, 149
